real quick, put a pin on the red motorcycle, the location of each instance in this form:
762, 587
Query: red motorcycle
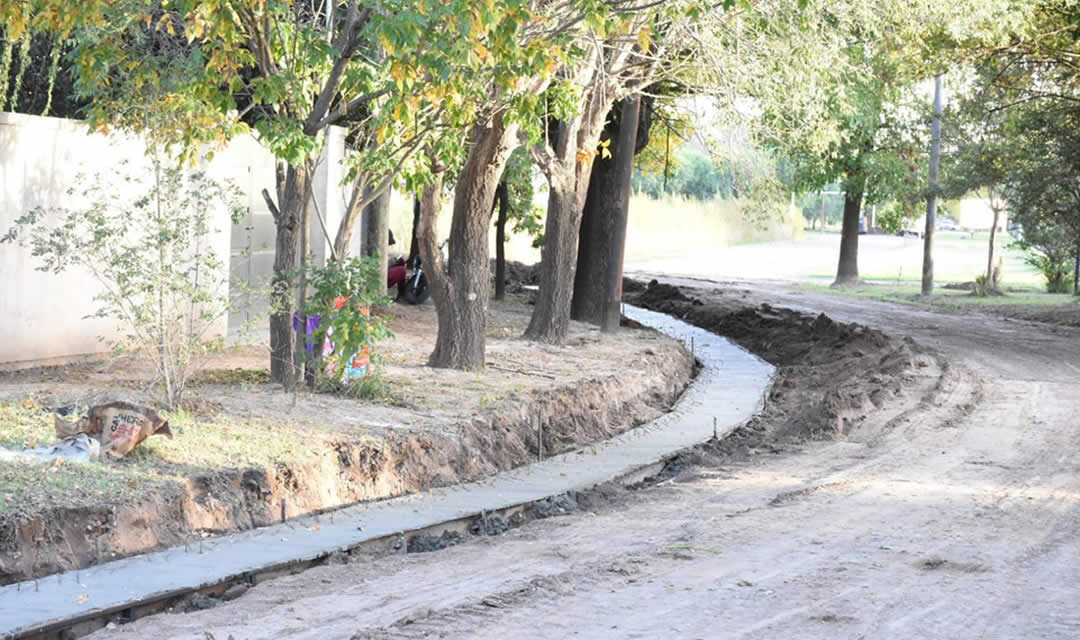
410, 281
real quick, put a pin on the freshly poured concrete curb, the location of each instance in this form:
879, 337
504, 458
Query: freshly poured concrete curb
727, 392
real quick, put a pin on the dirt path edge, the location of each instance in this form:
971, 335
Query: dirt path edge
350, 472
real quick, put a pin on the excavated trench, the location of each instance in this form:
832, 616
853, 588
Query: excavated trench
544, 423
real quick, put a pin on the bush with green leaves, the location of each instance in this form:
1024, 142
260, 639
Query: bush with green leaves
1050, 249
345, 294
152, 253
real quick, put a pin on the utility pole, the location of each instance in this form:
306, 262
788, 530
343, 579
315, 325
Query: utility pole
931, 202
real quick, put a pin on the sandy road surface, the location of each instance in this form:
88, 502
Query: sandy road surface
959, 520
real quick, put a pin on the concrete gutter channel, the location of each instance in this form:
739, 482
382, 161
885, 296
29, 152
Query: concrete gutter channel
727, 392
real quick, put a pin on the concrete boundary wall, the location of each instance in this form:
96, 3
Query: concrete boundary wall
42, 315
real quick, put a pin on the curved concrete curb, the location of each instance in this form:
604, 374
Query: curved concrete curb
726, 393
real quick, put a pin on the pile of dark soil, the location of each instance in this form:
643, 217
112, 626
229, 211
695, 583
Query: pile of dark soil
830, 375
519, 275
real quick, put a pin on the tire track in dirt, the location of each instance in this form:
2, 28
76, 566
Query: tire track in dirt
951, 510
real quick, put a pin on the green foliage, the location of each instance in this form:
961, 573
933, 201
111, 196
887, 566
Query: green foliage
345, 294
694, 175
897, 215
152, 253
856, 114
986, 286
522, 215
691, 174
1051, 251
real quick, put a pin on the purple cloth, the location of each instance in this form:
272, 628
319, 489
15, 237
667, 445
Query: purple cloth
312, 325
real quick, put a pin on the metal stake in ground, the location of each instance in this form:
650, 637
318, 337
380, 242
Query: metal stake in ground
540, 436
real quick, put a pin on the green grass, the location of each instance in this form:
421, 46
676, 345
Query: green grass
958, 257
158, 464
1017, 297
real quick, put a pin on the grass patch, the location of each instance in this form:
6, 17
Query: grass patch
221, 442
236, 375
157, 465
1017, 297
35, 487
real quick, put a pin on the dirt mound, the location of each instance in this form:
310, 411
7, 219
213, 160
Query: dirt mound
830, 375
661, 297
519, 275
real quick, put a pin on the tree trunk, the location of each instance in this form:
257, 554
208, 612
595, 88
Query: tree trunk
595, 241
376, 225
344, 237
503, 197
304, 369
990, 251
550, 319
624, 169
931, 204
294, 189
462, 292
414, 245
594, 245
1076, 271
847, 271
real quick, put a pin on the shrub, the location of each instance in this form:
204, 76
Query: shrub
152, 253
345, 295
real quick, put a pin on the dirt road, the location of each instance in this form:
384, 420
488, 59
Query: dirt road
956, 517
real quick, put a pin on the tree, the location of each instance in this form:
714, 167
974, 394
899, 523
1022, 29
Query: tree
861, 129
498, 105
634, 46
514, 202
1017, 141
980, 140
1043, 188
288, 70
598, 237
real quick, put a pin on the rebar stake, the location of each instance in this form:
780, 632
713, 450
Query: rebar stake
540, 436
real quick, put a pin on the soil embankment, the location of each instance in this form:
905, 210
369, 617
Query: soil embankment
590, 406
832, 379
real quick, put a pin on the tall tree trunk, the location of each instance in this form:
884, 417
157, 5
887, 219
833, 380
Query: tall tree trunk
595, 241
462, 292
1076, 271
990, 250
550, 319
502, 196
414, 245
304, 368
847, 271
587, 304
566, 157
376, 225
294, 189
931, 204
624, 169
